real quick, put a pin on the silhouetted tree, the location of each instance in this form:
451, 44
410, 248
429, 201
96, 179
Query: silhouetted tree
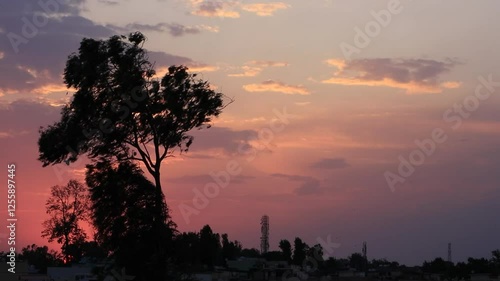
87, 249
250, 253
332, 265
206, 248
495, 262
357, 261
120, 111
462, 271
316, 252
40, 257
231, 250
273, 256
67, 206
495, 256
376, 263
286, 250
299, 251
481, 265
75, 250
209, 246
451, 271
315, 257
343, 263
187, 251
123, 212
438, 265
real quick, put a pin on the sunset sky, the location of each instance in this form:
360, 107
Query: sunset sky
330, 98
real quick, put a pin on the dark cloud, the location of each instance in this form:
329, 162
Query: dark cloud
309, 188
204, 179
216, 9
26, 8
210, 7
330, 163
109, 2
401, 70
175, 29
308, 185
162, 59
230, 141
414, 75
146, 27
27, 116
37, 39
292, 177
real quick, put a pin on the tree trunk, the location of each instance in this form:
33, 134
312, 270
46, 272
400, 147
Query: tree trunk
159, 200
66, 244
160, 230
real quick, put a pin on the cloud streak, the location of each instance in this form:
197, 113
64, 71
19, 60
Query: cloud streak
203, 179
201, 67
231, 9
413, 75
255, 67
265, 9
247, 71
330, 163
174, 29
277, 86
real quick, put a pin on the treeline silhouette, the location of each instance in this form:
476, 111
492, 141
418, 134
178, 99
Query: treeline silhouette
206, 250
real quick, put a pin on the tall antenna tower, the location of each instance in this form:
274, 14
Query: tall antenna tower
365, 257
449, 252
364, 250
264, 238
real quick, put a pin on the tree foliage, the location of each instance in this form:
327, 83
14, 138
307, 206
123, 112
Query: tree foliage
67, 206
286, 250
250, 253
205, 249
316, 253
209, 246
40, 257
299, 251
357, 261
273, 256
123, 212
495, 258
121, 111
230, 249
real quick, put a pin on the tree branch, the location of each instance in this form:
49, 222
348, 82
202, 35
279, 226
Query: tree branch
146, 149
164, 154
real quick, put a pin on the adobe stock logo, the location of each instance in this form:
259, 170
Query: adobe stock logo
31, 25
455, 116
311, 263
233, 168
372, 29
